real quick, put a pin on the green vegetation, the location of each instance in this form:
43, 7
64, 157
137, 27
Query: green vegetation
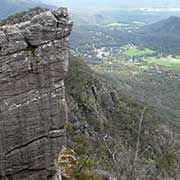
92, 96
84, 148
167, 161
157, 85
133, 52
79, 77
123, 119
169, 61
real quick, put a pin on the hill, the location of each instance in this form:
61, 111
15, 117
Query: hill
163, 36
168, 26
104, 127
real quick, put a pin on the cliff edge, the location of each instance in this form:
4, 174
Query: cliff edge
34, 58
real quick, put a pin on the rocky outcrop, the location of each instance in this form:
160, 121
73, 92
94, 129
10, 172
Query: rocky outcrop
33, 63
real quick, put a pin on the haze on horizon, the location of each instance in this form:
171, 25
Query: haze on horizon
105, 4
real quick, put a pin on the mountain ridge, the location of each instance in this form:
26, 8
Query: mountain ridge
166, 26
162, 36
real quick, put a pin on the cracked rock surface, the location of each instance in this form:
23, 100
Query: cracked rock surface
34, 58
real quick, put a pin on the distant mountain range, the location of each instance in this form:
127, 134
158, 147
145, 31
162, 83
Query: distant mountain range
10, 7
107, 4
163, 36
170, 26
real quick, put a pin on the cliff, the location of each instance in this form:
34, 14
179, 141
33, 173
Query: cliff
34, 58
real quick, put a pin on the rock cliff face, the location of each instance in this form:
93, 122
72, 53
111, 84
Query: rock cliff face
33, 63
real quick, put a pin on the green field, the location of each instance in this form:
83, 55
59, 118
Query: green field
133, 52
168, 61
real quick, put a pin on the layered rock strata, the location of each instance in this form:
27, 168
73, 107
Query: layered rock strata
34, 58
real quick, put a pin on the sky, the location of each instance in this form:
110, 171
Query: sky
114, 3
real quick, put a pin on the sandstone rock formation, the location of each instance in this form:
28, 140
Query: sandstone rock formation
33, 63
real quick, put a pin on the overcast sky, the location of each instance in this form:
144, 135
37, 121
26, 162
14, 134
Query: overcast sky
114, 3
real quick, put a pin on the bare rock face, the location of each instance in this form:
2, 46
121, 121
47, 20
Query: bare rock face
33, 63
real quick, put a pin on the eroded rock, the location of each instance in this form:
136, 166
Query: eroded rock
33, 63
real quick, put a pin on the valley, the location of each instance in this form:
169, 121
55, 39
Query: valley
134, 66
